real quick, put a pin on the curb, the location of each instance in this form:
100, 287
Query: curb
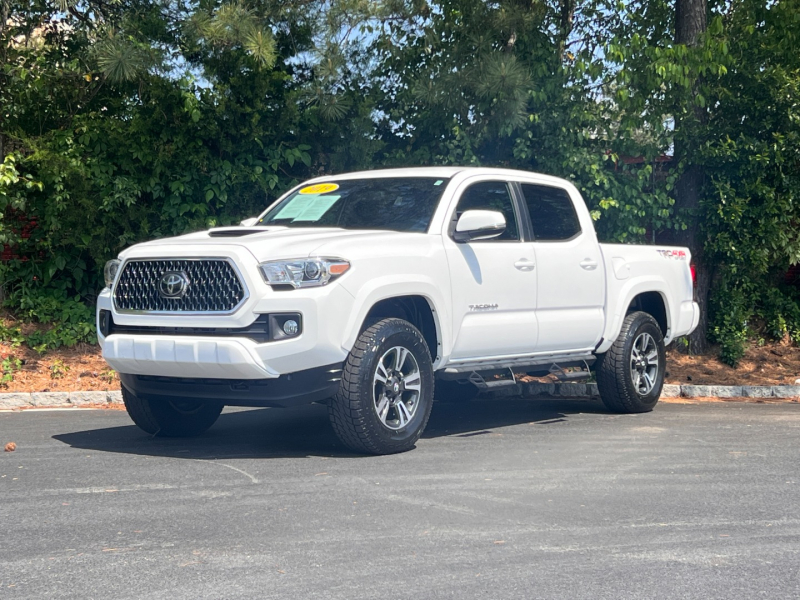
58, 399
18, 400
589, 390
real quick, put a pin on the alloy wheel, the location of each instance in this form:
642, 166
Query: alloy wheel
397, 386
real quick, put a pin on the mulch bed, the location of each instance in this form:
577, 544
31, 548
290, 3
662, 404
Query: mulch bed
770, 364
82, 368
77, 369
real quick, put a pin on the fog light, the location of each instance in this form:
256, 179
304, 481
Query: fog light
291, 327
104, 322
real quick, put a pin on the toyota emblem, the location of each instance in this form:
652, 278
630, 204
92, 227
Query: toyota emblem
173, 284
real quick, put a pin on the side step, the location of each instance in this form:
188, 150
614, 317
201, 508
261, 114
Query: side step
496, 383
546, 364
478, 376
574, 376
479, 382
583, 374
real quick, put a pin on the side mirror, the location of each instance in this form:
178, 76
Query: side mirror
479, 225
249, 222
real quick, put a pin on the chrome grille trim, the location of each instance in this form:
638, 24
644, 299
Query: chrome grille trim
216, 287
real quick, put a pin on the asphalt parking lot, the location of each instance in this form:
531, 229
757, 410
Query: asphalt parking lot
500, 499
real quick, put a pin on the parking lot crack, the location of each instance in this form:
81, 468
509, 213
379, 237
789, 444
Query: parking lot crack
221, 464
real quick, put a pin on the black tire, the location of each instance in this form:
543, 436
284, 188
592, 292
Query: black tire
620, 390
455, 391
354, 410
175, 417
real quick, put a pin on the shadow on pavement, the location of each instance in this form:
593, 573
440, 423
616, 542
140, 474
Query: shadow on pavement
305, 431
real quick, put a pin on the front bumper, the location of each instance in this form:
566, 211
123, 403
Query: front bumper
225, 358
234, 357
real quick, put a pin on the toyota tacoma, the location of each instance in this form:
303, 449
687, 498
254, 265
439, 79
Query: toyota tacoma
368, 291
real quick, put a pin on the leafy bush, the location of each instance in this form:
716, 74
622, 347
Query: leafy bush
58, 369
103, 144
781, 313
11, 335
63, 320
8, 366
742, 311
731, 308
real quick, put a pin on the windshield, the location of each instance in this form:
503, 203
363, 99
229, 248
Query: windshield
392, 203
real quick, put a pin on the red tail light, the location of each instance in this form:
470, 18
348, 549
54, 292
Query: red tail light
694, 275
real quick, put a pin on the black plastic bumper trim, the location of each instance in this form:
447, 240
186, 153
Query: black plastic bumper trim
292, 389
266, 328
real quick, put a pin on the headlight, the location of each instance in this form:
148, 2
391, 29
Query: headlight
110, 271
303, 272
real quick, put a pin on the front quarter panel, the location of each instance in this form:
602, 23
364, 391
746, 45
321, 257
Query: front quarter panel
413, 265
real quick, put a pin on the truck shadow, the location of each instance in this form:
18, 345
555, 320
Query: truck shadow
306, 431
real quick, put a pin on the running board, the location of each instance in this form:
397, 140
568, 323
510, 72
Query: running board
574, 376
517, 363
496, 383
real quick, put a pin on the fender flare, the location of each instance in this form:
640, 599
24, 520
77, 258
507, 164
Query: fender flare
628, 292
394, 286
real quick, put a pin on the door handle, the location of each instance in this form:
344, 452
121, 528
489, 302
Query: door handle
589, 264
523, 264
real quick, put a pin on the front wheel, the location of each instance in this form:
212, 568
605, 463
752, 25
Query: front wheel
174, 417
630, 374
386, 392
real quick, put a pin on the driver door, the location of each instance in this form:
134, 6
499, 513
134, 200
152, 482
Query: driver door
493, 281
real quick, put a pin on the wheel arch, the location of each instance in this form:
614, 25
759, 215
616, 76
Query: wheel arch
417, 310
655, 305
650, 296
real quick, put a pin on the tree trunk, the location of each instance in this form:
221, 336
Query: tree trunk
687, 201
690, 21
5, 11
690, 24
566, 17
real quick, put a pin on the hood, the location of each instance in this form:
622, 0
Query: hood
268, 243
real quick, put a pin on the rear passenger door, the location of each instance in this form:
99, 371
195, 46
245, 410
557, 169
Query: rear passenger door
570, 276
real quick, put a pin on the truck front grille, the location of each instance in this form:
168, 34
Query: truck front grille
211, 286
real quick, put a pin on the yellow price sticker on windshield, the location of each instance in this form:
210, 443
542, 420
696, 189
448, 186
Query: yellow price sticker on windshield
320, 188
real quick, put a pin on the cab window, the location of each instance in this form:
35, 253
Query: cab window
552, 213
491, 195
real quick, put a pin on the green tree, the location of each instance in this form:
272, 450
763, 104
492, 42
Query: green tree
132, 120
723, 95
523, 85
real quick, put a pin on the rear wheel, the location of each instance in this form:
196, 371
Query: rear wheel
173, 417
630, 374
386, 393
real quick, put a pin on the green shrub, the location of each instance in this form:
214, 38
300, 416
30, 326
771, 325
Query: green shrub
781, 313
741, 311
65, 320
8, 366
731, 311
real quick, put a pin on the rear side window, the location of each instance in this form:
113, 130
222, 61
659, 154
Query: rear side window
491, 195
552, 213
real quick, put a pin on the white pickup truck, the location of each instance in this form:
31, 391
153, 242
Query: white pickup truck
367, 290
